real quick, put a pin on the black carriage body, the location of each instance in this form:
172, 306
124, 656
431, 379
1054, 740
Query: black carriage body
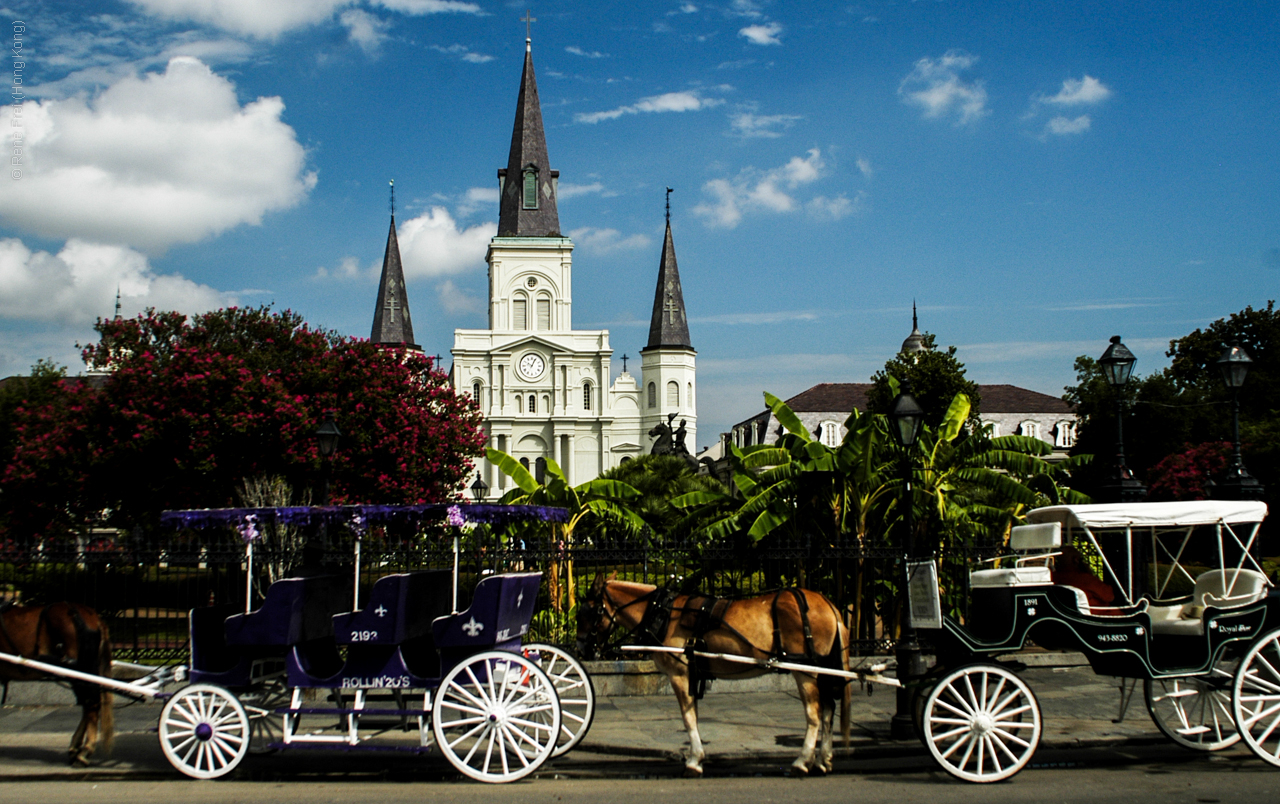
1004, 619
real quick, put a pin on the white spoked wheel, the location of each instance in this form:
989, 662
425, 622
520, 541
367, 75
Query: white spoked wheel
1255, 698
577, 698
204, 731
496, 717
266, 728
1195, 712
981, 723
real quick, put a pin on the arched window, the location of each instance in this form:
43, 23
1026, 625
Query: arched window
673, 394
519, 313
586, 396
540, 470
533, 404
688, 398
1064, 434
995, 429
475, 391
1030, 429
544, 313
653, 395
530, 188
519, 404
829, 434
525, 463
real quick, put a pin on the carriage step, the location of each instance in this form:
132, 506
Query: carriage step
1194, 730
284, 710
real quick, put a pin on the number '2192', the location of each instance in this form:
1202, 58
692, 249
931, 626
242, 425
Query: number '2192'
363, 636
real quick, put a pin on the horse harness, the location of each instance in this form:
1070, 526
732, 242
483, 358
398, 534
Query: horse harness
702, 614
87, 648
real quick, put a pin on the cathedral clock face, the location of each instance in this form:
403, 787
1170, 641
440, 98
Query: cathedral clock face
531, 366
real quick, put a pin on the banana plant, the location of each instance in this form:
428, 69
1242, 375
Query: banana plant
603, 498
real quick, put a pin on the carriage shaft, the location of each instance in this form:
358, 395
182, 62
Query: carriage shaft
771, 664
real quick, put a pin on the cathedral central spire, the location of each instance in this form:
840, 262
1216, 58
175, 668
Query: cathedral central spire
527, 206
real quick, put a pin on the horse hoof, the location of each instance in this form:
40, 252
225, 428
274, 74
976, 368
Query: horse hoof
692, 773
797, 772
80, 758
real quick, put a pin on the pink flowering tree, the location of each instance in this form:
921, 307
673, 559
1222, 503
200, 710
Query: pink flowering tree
190, 408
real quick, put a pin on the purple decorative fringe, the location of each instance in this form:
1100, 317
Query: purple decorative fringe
361, 516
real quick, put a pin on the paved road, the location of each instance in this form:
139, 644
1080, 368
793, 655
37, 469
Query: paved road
1091, 776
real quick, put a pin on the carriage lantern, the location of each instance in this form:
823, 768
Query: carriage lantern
1236, 482
1117, 365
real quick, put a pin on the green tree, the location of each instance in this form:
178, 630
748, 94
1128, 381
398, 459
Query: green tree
659, 479
936, 377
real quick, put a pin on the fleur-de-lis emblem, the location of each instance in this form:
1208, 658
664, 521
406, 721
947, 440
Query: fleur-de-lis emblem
381, 611
473, 628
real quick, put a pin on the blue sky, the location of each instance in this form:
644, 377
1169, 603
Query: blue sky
1038, 176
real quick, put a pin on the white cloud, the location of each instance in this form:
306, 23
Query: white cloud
745, 8
670, 102
78, 284
433, 244
154, 160
477, 198
935, 86
251, 17
456, 300
864, 167
577, 51
567, 190
688, 8
348, 268
364, 29
463, 52
749, 125
1087, 90
602, 241
762, 34
270, 18
1063, 126
754, 190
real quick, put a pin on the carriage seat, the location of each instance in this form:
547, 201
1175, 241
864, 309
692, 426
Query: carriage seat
1223, 589
498, 617
294, 610
401, 607
1030, 543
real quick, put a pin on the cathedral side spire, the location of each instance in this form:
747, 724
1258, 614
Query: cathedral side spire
527, 204
669, 327
392, 325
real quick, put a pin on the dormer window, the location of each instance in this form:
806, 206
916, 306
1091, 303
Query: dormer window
531, 187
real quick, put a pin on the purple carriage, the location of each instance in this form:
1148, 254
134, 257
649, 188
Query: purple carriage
309, 669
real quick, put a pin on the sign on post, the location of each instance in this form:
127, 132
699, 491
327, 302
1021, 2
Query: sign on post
922, 592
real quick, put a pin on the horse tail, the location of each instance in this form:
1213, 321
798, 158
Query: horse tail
846, 698
106, 713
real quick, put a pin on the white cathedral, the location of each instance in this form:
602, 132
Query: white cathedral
545, 388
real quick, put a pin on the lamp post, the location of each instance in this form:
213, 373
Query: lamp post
479, 489
1117, 366
1236, 483
905, 418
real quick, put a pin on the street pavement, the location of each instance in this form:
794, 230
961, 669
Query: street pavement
631, 737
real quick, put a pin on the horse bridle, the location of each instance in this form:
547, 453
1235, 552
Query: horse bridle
591, 644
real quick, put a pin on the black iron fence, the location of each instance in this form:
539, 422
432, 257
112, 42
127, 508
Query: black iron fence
145, 585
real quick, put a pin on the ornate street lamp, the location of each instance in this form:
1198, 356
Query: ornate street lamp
479, 489
327, 435
905, 418
1117, 366
1236, 483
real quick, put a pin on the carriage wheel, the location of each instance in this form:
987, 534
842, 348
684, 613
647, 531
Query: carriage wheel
204, 731
573, 686
1255, 698
981, 723
266, 728
496, 717
1195, 712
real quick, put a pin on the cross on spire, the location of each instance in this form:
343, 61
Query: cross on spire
669, 192
393, 198
671, 308
624, 362
391, 307
528, 19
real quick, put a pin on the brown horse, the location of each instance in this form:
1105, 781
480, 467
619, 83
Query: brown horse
796, 624
73, 636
